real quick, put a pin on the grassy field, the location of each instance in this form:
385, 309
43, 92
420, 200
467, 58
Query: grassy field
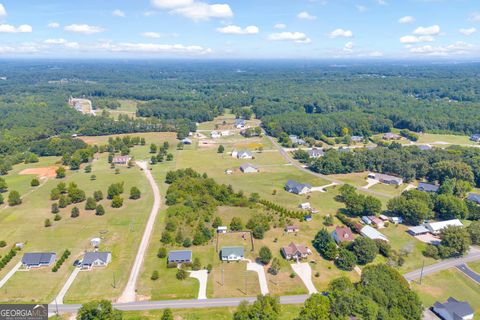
288, 312
475, 266
121, 229
445, 138
128, 107
449, 283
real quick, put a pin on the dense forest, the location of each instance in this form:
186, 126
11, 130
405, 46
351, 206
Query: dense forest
309, 99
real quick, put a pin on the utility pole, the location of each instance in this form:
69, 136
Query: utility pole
246, 273
114, 282
222, 277
421, 272
56, 306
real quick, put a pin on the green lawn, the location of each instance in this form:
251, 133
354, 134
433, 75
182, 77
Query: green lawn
446, 138
449, 283
128, 107
475, 266
121, 228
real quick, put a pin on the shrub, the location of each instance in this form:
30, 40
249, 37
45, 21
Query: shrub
55, 208
181, 274
117, 202
60, 261
431, 251
57, 217
292, 275
35, 182
61, 172
209, 268
154, 275
187, 242
3, 243
98, 195
265, 254
75, 212
135, 193
99, 210
162, 252
172, 265
14, 198
196, 265
91, 204
1, 199
47, 223
6, 259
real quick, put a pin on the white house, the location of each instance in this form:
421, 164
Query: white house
305, 205
232, 253
436, 227
242, 154
297, 188
215, 134
372, 233
248, 168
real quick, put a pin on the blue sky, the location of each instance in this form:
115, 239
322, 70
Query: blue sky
300, 29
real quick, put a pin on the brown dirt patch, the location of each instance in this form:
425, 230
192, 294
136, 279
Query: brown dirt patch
46, 172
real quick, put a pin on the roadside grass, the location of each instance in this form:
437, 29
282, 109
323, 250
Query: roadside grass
475, 266
387, 189
231, 279
448, 283
357, 179
288, 312
123, 228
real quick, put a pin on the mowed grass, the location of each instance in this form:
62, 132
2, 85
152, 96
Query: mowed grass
448, 283
288, 312
121, 229
475, 266
447, 138
128, 107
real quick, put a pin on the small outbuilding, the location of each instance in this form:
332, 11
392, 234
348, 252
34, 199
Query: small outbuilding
475, 197
305, 205
418, 230
290, 229
180, 256
222, 229
121, 160
248, 168
187, 141
95, 242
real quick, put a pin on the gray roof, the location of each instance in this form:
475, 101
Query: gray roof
457, 309
38, 258
244, 153
237, 251
357, 138
295, 186
424, 147
474, 197
245, 166
418, 230
180, 255
90, 257
386, 177
316, 152
240, 122
428, 187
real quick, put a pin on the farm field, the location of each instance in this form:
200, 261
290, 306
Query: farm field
120, 228
448, 283
127, 107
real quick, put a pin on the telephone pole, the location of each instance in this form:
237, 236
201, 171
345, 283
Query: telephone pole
421, 272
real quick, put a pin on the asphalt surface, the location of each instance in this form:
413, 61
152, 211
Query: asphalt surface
469, 273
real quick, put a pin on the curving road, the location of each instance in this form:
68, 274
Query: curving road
129, 294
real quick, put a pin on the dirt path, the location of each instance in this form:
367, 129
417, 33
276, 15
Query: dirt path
129, 294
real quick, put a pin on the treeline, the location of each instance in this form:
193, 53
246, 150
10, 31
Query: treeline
194, 110
410, 162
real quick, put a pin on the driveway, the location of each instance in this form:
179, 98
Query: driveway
129, 294
370, 183
10, 274
469, 272
262, 279
322, 188
66, 286
304, 271
202, 277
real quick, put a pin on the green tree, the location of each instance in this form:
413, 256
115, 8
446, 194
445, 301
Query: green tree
1, 199
99, 310
55, 208
61, 172
115, 189
99, 210
196, 265
455, 239
47, 223
117, 201
265, 307
322, 241
316, 307
265, 255
153, 148
35, 182
162, 252
135, 193
236, 224
275, 266
75, 212
98, 195
167, 314
54, 194
446, 169
365, 249
14, 198
474, 232
346, 260
217, 222
91, 204
450, 207
221, 149
3, 185
154, 275
330, 251
182, 274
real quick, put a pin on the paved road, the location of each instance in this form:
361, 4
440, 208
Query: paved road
473, 255
319, 175
129, 294
469, 272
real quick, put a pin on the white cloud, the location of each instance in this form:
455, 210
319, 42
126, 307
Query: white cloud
24, 48
53, 25
361, 8
306, 16
348, 47
195, 10
151, 35
467, 32
119, 13
427, 31
382, 2
7, 28
155, 48
280, 26
83, 29
62, 42
415, 39
341, 33
375, 54
3, 11
458, 48
233, 29
406, 20
298, 37
474, 17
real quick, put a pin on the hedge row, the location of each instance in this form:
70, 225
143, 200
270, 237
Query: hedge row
5, 260
60, 261
284, 212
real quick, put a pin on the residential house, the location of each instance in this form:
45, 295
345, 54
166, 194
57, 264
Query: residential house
342, 234
418, 230
121, 160
296, 140
187, 141
222, 229
385, 178
290, 229
357, 139
232, 253
391, 136
248, 168
297, 188
38, 259
215, 134
305, 205
427, 187
425, 147
366, 220
242, 154
180, 256
475, 197
453, 309
315, 153
295, 251
372, 233
240, 123
383, 217
377, 222
436, 227
475, 137
96, 259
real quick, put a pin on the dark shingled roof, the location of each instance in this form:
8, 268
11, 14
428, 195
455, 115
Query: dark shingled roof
296, 187
180, 255
38, 258
457, 309
427, 187
91, 257
474, 197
